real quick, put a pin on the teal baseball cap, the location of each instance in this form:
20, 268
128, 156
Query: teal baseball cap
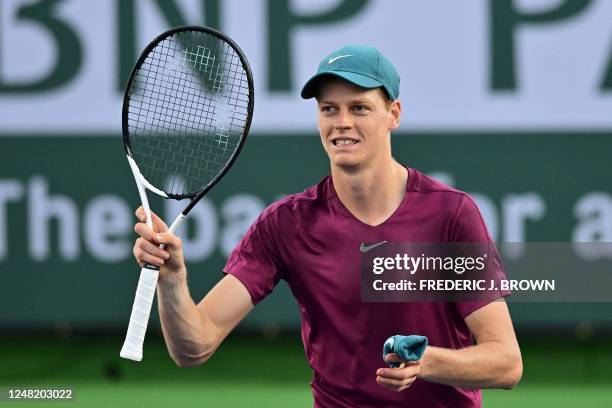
363, 66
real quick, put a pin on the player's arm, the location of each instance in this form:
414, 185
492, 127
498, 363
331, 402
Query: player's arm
494, 362
192, 332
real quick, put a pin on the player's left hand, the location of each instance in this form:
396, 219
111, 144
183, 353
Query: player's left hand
400, 378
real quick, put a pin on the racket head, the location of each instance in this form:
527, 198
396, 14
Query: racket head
189, 99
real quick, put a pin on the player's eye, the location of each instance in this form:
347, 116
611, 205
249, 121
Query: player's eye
360, 108
327, 109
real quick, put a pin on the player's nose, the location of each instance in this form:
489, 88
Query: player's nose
343, 120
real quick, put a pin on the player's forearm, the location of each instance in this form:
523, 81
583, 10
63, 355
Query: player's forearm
190, 336
486, 365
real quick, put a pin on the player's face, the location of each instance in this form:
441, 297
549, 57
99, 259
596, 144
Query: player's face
354, 124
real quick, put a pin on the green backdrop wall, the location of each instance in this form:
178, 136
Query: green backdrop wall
66, 219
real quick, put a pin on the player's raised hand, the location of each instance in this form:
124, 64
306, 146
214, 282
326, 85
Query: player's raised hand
400, 378
146, 248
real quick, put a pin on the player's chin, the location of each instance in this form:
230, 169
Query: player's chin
348, 162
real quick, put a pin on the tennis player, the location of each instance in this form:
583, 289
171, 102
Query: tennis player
312, 240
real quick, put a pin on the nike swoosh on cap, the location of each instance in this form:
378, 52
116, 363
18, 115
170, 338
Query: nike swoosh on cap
332, 59
366, 248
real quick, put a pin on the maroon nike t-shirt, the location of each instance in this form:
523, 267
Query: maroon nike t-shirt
312, 242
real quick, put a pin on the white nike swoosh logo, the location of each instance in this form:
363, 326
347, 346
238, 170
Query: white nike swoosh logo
332, 59
366, 248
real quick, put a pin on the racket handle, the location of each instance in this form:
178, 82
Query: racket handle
132, 347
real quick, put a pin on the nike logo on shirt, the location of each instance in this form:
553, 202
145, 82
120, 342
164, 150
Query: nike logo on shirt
366, 248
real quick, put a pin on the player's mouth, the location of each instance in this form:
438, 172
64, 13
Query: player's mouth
344, 141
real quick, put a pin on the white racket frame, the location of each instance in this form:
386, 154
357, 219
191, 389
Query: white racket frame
147, 283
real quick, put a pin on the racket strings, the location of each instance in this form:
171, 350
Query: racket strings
190, 147
187, 111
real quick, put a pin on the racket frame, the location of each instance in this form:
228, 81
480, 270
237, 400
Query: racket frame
195, 197
145, 292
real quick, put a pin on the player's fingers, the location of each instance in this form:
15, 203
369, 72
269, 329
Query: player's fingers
158, 223
396, 385
408, 369
150, 259
392, 358
147, 233
143, 256
140, 214
170, 240
152, 249
389, 383
389, 373
136, 252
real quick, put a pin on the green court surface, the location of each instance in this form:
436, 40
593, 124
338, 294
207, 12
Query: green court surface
242, 394
251, 371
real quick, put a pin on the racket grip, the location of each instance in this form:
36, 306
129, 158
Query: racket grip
132, 347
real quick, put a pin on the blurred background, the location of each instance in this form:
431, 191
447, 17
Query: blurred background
509, 100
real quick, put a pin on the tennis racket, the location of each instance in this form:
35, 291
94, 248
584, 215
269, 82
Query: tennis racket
186, 114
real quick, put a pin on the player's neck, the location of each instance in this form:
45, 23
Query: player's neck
372, 194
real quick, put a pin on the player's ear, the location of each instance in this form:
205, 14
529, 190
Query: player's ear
395, 113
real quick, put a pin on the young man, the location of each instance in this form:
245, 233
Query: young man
312, 240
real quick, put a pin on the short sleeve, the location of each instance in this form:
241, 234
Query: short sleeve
469, 226
255, 261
